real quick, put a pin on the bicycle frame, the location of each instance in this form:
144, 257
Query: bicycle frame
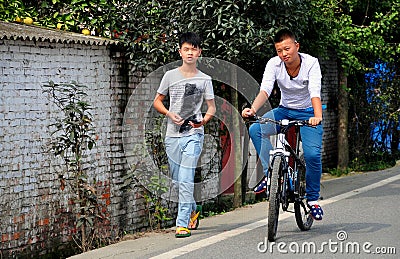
281, 144
284, 149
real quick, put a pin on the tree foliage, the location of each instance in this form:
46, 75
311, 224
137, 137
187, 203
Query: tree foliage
375, 113
363, 33
235, 31
98, 16
360, 31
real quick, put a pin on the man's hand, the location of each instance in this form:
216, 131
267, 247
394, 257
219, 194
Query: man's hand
314, 121
248, 112
197, 124
175, 118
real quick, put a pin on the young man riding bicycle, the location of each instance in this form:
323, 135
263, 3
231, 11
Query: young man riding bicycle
298, 75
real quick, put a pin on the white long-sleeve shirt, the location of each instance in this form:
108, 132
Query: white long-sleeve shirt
296, 93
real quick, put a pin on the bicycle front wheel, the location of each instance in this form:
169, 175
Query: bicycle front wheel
274, 198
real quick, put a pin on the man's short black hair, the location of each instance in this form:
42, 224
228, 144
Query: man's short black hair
284, 34
191, 38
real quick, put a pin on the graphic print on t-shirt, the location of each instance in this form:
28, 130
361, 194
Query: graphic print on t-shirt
190, 98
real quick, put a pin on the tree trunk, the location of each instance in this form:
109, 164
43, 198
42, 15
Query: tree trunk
394, 144
343, 121
236, 142
245, 159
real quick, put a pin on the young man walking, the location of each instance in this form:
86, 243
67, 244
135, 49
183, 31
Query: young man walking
186, 87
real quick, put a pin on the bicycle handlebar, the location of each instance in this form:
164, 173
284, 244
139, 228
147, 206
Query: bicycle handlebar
259, 119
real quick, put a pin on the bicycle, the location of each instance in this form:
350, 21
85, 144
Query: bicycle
286, 177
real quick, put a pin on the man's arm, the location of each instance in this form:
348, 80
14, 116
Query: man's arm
209, 114
315, 77
317, 106
261, 98
160, 107
210, 111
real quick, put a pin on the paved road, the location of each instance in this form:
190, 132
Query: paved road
361, 221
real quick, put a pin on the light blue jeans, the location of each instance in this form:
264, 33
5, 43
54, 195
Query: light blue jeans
183, 154
311, 139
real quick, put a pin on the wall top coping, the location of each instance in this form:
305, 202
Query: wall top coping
14, 31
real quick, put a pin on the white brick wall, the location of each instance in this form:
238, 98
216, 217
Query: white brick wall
31, 201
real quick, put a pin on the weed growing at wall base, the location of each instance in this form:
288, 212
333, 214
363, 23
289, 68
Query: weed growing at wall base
73, 136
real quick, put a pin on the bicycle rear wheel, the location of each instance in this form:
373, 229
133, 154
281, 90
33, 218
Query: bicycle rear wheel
274, 199
302, 212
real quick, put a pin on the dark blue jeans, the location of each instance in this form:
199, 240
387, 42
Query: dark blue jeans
312, 145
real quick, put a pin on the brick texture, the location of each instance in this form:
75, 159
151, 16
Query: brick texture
35, 213
330, 83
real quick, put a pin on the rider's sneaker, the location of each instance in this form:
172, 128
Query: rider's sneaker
262, 186
316, 211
